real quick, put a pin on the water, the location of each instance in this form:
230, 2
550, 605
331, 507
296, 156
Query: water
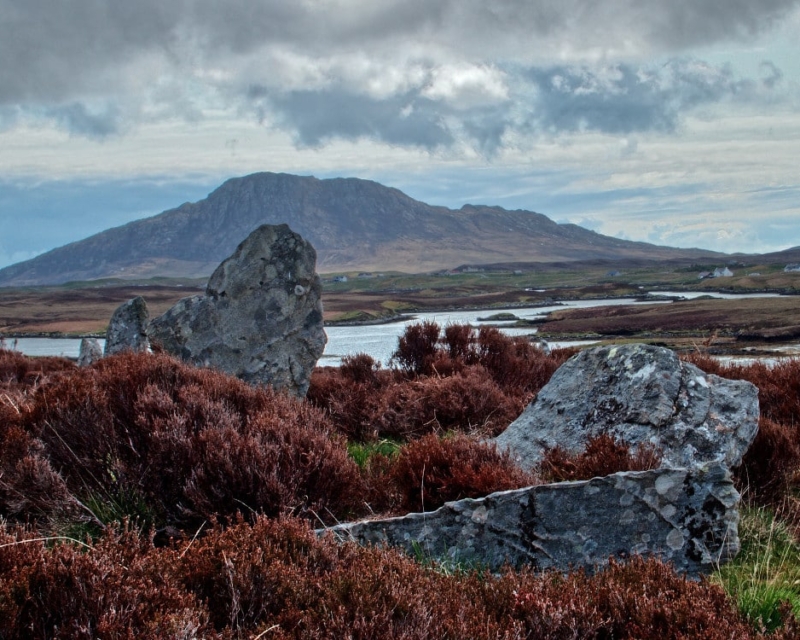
379, 341
67, 347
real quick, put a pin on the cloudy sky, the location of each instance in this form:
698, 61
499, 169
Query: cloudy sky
675, 122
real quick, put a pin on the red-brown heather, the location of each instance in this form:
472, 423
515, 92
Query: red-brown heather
174, 451
276, 578
458, 379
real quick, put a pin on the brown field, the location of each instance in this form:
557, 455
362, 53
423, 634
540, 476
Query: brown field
75, 311
732, 323
86, 310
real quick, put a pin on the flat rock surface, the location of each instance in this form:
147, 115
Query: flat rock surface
689, 518
638, 394
260, 317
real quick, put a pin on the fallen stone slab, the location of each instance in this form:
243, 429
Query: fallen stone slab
260, 318
127, 329
689, 518
640, 395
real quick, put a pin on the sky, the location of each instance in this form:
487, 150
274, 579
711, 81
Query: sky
676, 123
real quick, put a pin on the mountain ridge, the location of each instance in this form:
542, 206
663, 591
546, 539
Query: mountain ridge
354, 224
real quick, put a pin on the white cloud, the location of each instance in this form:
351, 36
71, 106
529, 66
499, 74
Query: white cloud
622, 102
466, 86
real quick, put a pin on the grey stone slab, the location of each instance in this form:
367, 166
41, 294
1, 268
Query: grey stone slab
687, 517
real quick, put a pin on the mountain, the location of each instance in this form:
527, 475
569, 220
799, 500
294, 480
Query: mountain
353, 224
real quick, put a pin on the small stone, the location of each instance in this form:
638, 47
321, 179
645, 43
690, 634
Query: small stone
127, 329
89, 352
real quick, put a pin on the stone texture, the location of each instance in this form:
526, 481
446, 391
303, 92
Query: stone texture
89, 352
687, 517
637, 394
127, 330
260, 317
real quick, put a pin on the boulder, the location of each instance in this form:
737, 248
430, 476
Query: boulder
687, 517
638, 394
260, 317
127, 329
89, 352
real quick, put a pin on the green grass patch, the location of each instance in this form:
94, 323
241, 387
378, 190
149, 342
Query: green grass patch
765, 576
363, 452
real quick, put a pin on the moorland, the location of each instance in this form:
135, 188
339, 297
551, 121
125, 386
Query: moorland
144, 498
734, 327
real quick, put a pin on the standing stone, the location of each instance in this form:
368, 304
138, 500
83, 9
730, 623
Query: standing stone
638, 394
687, 517
89, 352
260, 317
127, 330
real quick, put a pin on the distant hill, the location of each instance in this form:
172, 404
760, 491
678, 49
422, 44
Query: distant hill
355, 225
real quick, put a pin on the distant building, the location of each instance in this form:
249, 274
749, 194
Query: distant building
340, 279
722, 272
791, 267
613, 274
703, 275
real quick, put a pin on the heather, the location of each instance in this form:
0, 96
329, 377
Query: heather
454, 378
275, 578
145, 498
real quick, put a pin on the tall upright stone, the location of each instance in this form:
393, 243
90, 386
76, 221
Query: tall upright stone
127, 329
260, 317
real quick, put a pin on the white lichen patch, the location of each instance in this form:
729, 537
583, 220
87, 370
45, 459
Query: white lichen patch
480, 515
675, 539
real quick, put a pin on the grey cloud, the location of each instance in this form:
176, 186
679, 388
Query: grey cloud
317, 116
625, 99
52, 51
617, 99
78, 119
771, 75
59, 57
684, 23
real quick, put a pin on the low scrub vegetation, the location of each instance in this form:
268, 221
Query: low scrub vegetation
456, 379
144, 498
274, 578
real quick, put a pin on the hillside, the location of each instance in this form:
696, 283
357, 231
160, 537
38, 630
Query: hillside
354, 225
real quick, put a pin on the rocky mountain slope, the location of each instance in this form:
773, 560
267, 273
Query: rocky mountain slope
353, 224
